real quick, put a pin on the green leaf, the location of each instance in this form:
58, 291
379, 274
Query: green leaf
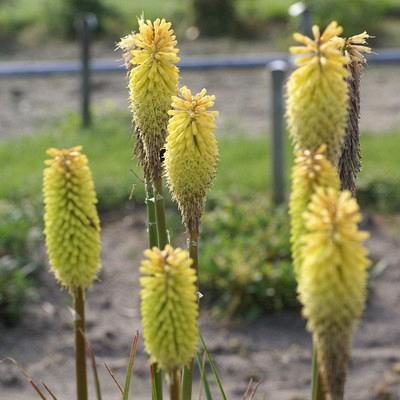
129, 370
203, 377
213, 368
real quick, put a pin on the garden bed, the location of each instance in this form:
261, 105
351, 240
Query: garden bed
275, 349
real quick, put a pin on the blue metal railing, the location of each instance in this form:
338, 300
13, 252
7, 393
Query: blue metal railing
22, 69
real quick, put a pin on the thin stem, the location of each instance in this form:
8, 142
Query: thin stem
151, 216
317, 392
193, 245
155, 373
160, 213
174, 393
80, 346
187, 380
162, 236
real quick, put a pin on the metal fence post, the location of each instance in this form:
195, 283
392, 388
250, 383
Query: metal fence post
306, 22
86, 24
300, 9
278, 71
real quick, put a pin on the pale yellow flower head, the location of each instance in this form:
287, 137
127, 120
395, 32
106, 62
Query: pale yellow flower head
311, 170
169, 307
356, 46
324, 49
191, 153
332, 285
151, 55
72, 226
317, 92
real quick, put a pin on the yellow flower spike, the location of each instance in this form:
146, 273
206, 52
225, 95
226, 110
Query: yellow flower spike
332, 286
191, 155
72, 226
317, 92
169, 307
350, 160
311, 170
151, 57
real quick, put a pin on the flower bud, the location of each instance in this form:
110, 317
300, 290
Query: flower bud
169, 307
151, 58
191, 154
332, 285
72, 226
318, 93
311, 170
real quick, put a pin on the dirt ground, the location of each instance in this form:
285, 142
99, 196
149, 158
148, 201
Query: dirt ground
243, 96
274, 350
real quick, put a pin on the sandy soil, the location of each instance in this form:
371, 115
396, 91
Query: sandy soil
243, 96
274, 350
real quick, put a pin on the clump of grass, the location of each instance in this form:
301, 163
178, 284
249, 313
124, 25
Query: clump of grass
246, 261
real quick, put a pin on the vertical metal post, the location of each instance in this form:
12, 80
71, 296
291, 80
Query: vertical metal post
278, 71
86, 24
301, 10
306, 22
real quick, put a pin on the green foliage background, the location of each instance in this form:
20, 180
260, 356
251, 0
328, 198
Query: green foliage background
239, 18
238, 202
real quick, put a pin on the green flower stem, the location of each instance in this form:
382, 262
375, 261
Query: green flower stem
174, 385
317, 392
151, 216
162, 232
156, 376
193, 245
162, 235
80, 346
187, 380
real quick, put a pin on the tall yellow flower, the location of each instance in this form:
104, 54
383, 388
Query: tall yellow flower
169, 307
318, 93
332, 284
72, 226
191, 154
350, 160
151, 57
311, 170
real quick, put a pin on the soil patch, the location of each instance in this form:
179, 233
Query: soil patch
274, 350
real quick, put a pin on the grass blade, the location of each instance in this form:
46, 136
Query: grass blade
213, 368
27, 377
53, 396
187, 381
92, 357
131, 362
251, 390
37, 390
203, 377
248, 389
114, 378
156, 382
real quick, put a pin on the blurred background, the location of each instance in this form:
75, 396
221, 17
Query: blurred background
43, 30
62, 83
